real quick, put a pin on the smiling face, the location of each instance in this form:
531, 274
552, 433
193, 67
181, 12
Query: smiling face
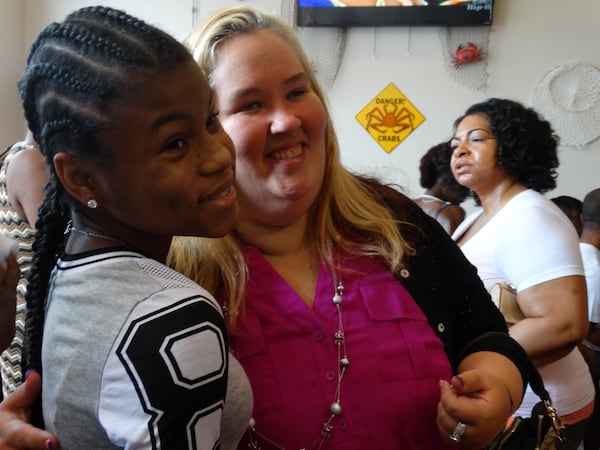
474, 160
172, 167
277, 123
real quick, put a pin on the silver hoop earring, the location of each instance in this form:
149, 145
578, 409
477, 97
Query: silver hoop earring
92, 203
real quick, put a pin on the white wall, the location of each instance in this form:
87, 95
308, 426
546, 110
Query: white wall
527, 39
174, 16
12, 41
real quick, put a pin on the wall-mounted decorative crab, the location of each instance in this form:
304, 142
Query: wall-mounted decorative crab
466, 54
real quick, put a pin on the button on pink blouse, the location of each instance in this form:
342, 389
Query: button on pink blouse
390, 391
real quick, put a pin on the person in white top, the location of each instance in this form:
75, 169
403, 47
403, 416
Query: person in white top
590, 252
507, 155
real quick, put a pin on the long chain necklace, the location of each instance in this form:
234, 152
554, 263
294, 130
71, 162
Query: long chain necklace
335, 408
85, 233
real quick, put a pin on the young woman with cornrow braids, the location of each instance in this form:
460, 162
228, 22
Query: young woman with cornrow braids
132, 354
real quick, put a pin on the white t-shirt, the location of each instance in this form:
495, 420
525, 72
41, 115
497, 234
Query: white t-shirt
528, 242
591, 264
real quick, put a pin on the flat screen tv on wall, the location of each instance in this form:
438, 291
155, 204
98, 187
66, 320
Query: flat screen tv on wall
351, 13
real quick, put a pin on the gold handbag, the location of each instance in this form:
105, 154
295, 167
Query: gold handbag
504, 297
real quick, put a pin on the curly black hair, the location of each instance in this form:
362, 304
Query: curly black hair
527, 144
435, 168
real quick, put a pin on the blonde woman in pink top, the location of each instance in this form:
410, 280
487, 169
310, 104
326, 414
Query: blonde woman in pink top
347, 304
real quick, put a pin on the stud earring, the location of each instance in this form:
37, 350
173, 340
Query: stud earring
92, 203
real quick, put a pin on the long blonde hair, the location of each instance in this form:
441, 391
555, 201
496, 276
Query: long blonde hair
346, 213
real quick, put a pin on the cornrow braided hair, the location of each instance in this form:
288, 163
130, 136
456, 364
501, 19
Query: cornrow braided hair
76, 71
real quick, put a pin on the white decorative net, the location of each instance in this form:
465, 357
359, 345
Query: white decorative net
568, 96
473, 75
324, 46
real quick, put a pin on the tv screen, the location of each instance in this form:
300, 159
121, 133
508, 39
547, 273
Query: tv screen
350, 13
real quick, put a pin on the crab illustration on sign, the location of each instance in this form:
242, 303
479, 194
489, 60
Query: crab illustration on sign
390, 117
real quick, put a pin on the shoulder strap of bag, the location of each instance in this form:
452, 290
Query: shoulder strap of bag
537, 384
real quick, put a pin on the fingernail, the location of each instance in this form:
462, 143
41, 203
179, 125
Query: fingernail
29, 372
49, 445
459, 379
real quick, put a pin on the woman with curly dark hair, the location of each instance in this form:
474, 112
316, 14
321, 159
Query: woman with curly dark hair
507, 155
443, 194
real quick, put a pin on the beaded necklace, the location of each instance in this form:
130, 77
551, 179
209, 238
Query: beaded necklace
335, 408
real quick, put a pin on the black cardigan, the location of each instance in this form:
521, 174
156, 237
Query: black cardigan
447, 288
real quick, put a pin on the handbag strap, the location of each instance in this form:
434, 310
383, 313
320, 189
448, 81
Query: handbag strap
537, 385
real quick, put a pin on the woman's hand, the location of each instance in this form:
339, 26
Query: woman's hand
478, 400
483, 397
15, 432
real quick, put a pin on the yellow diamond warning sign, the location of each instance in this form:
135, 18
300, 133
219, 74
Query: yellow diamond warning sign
390, 117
